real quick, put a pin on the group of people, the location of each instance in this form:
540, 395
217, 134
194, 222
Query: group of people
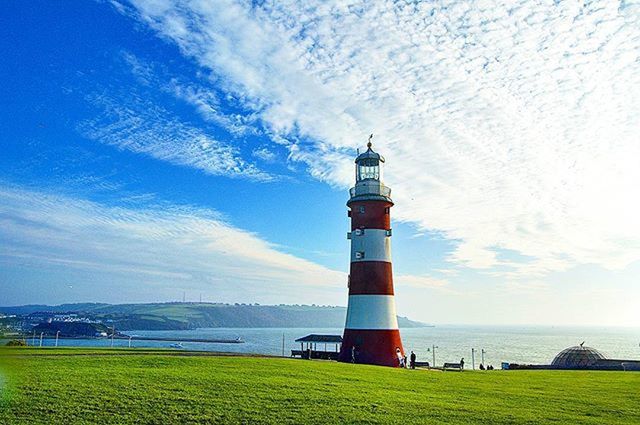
490, 367
402, 360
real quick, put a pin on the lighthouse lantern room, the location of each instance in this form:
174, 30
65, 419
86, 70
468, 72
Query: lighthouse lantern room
371, 332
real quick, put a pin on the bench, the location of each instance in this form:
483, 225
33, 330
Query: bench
422, 364
322, 355
452, 366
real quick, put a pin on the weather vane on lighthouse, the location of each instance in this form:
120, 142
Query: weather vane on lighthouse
371, 332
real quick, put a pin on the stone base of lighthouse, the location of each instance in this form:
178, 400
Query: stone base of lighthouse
376, 347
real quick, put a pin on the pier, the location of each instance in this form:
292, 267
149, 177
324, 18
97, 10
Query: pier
138, 338
167, 339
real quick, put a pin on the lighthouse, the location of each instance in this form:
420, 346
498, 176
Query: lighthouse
371, 332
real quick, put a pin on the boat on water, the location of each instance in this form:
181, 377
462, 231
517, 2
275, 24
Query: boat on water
176, 345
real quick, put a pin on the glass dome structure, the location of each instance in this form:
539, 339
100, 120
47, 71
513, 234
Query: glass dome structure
369, 185
369, 165
578, 357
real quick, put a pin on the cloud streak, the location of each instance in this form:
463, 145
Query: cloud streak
204, 100
167, 246
142, 127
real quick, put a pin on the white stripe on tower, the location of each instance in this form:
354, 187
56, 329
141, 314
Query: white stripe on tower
371, 312
370, 245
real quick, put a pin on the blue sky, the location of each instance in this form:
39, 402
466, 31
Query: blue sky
151, 148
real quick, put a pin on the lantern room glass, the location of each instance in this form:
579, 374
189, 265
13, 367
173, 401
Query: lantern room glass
368, 168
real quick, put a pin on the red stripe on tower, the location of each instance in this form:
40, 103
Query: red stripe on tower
371, 277
371, 332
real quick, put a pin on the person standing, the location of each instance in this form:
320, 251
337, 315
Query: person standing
400, 357
462, 363
412, 359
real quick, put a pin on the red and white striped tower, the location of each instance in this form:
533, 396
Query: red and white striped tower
371, 332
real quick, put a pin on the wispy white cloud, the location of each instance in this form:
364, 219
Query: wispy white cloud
142, 127
505, 127
208, 106
264, 154
167, 245
202, 97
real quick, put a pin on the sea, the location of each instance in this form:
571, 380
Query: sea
494, 344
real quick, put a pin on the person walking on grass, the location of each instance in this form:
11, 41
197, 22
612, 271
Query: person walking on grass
412, 359
400, 357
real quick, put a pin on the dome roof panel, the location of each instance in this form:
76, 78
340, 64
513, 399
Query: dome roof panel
369, 154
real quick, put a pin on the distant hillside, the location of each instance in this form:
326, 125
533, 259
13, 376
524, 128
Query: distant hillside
62, 308
175, 316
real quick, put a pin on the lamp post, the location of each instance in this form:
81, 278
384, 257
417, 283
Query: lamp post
482, 353
473, 359
41, 334
113, 332
433, 349
33, 341
130, 341
57, 334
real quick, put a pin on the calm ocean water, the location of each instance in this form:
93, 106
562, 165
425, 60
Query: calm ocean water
514, 344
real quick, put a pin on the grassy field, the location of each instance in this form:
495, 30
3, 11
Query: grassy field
166, 387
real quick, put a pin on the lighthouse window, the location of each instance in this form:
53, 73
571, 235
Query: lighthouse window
386, 210
361, 209
369, 169
359, 255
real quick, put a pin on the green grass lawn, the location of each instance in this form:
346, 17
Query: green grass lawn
166, 387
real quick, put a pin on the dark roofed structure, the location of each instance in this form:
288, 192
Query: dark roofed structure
311, 351
323, 339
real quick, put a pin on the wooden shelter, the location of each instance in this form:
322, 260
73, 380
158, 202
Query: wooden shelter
329, 347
